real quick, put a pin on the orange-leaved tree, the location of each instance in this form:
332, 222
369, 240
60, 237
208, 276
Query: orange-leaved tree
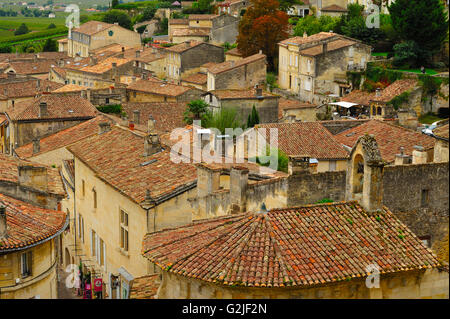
261, 28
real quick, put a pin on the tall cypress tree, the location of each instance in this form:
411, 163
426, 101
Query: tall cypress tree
253, 118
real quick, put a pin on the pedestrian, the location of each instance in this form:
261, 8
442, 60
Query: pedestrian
422, 69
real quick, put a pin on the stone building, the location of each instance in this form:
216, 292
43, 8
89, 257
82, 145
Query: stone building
30, 227
235, 8
95, 34
42, 116
242, 101
317, 65
187, 58
241, 74
161, 91
233, 54
290, 110
441, 146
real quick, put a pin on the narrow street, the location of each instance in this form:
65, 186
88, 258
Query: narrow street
63, 291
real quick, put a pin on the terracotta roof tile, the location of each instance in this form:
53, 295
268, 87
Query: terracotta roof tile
179, 21
229, 65
359, 97
197, 78
30, 67
92, 27
202, 16
159, 88
395, 89
63, 138
389, 138
145, 287
117, 157
234, 52
204, 32
27, 88
298, 247
331, 46
312, 38
239, 94
307, 138
290, 104
58, 107
334, 8
9, 172
441, 131
70, 88
27, 224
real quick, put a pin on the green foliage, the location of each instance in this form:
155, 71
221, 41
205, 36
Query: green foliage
164, 26
271, 80
50, 45
51, 26
406, 54
118, 16
227, 46
430, 84
286, 4
278, 155
23, 29
225, 118
110, 108
378, 74
253, 118
354, 78
312, 25
397, 101
114, 3
200, 7
141, 29
424, 22
5, 49
324, 200
196, 110
148, 13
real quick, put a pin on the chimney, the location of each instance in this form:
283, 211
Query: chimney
36, 146
104, 127
260, 52
138, 53
92, 60
188, 43
33, 176
131, 125
133, 78
305, 35
5, 92
43, 111
378, 92
419, 155
88, 94
259, 92
238, 189
3, 227
152, 144
61, 63
123, 49
324, 47
299, 164
11, 75
150, 124
208, 180
38, 84
137, 116
402, 159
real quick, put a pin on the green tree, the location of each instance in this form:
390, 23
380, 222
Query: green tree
148, 13
277, 155
121, 17
205, 6
253, 118
312, 25
23, 29
286, 4
51, 26
50, 45
114, 3
196, 110
225, 118
424, 22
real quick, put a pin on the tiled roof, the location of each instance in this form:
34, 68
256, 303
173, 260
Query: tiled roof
291, 247
70, 88
360, 97
204, 32
229, 65
159, 88
179, 21
92, 27
27, 224
389, 138
168, 115
312, 38
60, 71
239, 94
395, 89
70, 165
441, 131
234, 52
331, 46
58, 107
334, 8
27, 88
42, 66
117, 158
63, 138
202, 16
2, 118
197, 78
101, 67
9, 172
179, 48
306, 138
145, 287
288, 104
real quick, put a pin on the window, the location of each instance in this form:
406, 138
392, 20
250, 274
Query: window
308, 84
25, 264
309, 65
82, 187
93, 243
290, 59
123, 230
296, 60
332, 166
102, 252
425, 197
81, 227
426, 240
134, 93
94, 195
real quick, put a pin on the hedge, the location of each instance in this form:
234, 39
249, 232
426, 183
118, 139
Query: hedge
34, 35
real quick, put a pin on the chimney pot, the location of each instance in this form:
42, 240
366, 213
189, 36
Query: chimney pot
104, 127
43, 111
136, 116
150, 124
131, 125
138, 53
38, 84
3, 227
324, 47
36, 146
152, 144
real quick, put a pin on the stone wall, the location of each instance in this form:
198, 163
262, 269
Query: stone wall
200, 55
336, 127
242, 77
225, 29
267, 108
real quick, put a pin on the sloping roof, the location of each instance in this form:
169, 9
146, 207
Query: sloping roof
334, 8
179, 21
27, 88
101, 67
9, 172
187, 45
28, 224
239, 94
395, 89
312, 38
159, 88
58, 107
145, 287
3, 118
30, 67
92, 27
234, 52
117, 157
229, 65
289, 104
291, 247
63, 138
389, 138
306, 138
442, 131
197, 78
168, 115
70, 88
331, 46
360, 97
201, 32
202, 16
